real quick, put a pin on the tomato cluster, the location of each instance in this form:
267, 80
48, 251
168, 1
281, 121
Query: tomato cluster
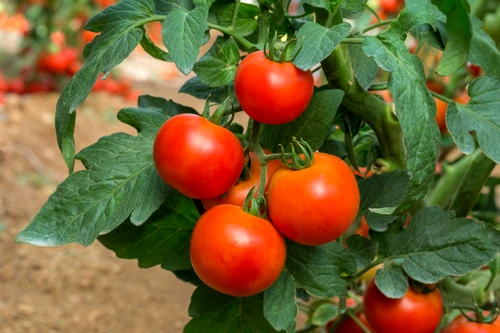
232, 250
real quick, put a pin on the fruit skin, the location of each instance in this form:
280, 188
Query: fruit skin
315, 205
463, 325
441, 107
414, 313
196, 157
236, 253
391, 6
237, 194
348, 325
272, 92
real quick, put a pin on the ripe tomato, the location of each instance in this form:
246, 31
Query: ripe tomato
435, 86
363, 229
196, 157
314, 206
348, 325
391, 6
463, 325
441, 114
462, 97
272, 92
414, 313
363, 172
473, 69
237, 194
16, 86
57, 62
236, 253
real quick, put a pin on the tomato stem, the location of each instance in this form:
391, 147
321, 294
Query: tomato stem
366, 269
358, 322
353, 40
374, 13
376, 25
261, 155
245, 44
235, 16
441, 97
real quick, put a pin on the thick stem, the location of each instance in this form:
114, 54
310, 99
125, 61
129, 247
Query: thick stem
247, 46
235, 15
376, 113
261, 155
473, 181
449, 182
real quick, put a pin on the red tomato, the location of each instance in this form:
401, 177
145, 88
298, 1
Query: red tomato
57, 62
473, 69
314, 206
441, 114
237, 194
435, 86
414, 313
348, 325
88, 36
236, 253
272, 92
196, 157
4, 85
16, 86
462, 97
362, 172
363, 229
386, 95
391, 6
463, 325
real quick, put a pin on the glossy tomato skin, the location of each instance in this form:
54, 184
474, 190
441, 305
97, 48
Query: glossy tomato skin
238, 193
236, 253
463, 325
391, 6
196, 157
348, 325
315, 205
414, 313
272, 92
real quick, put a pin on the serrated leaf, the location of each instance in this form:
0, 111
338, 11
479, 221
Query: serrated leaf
363, 250
382, 193
318, 43
353, 8
218, 66
483, 50
365, 68
168, 107
120, 34
120, 181
246, 22
325, 313
318, 269
384, 239
198, 89
153, 50
379, 222
189, 276
480, 115
183, 34
165, 7
415, 108
312, 125
434, 244
215, 312
459, 33
392, 281
418, 12
279, 303
325, 4
163, 239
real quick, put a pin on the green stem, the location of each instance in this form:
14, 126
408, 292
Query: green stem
235, 16
358, 322
373, 12
448, 183
419, 47
366, 269
359, 40
350, 148
472, 292
376, 25
441, 97
473, 181
261, 155
263, 26
378, 86
247, 45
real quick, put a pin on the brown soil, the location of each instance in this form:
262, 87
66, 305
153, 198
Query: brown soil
71, 288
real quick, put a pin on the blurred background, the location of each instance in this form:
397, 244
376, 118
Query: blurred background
72, 289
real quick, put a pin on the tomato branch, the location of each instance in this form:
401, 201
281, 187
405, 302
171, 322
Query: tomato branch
261, 155
247, 45
352, 40
374, 13
376, 25
358, 322
441, 97
235, 15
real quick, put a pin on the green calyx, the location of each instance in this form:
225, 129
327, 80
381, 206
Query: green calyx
480, 318
223, 115
303, 159
255, 206
278, 51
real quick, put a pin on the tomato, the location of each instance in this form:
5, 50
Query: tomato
236, 253
315, 205
363, 229
386, 95
441, 107
57, 62
88, 36
237, 194
196, 157
4, 85
348, 325
414, 313
462, 97
391, 6
272, 92
16, 86
473, 69
463, 325
435, 86
363, 172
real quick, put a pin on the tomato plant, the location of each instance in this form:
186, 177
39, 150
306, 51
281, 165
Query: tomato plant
396, 100
463, 325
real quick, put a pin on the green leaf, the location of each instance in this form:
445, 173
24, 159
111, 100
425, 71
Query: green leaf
392, 281
198, 89
353, 8
165, 7
382, 193
215, 312
365, 68
363, 250
183, 34
415, 107
379, 222
246, 22
163, 239
120, 181
279, 303
479, 115
120, 34
218, 66
384, 239
168, 107
312, 125
318, 269
417, 13
434, 244
153, 50
325, 313
483, 50
318, 43
459, 33
325, 4
334, 147
189, 276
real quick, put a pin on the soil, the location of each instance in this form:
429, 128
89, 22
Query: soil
71, 288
